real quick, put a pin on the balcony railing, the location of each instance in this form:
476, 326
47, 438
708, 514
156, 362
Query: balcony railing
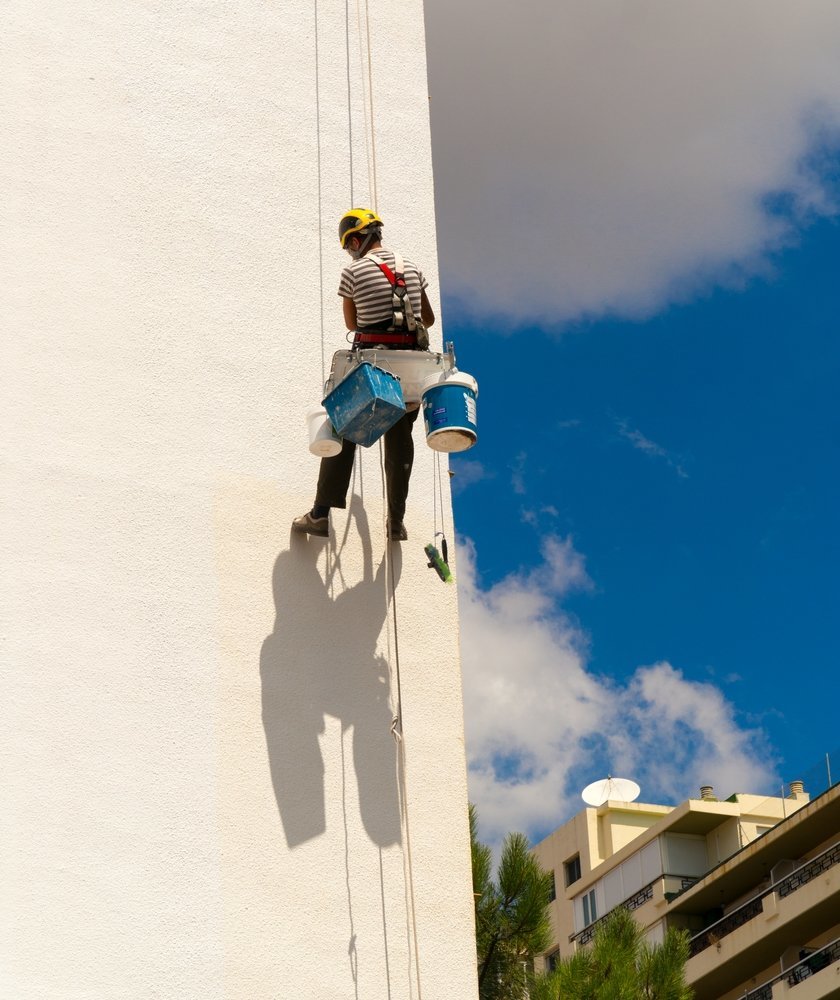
784, 887
631, 903
810, 871
731, 922
764, 992
809, 966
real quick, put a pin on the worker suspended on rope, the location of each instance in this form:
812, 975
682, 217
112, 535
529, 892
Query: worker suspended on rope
385, 306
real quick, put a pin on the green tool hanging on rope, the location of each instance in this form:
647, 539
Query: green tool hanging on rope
438, 560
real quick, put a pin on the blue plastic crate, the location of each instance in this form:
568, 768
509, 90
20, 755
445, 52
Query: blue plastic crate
365, 404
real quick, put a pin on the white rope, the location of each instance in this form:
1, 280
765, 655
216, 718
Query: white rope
397, 733
352, 950
435, 474
440, 492
320, 207
374, 195
365, 103
349, 96
396, 725
390, 587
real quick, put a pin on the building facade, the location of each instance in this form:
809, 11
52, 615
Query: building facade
754, 880
203, 796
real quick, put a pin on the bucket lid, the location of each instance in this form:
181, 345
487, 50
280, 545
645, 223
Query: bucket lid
453, 377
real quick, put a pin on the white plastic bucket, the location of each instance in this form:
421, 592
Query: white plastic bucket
323, 441
449, 411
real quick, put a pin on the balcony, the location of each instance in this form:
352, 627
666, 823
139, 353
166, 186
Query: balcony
753, 907
810, 966
799, 907
631, 903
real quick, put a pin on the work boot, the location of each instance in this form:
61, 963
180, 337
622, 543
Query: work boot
306, 524
396, 530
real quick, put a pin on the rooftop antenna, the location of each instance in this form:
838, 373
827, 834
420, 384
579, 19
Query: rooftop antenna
610, 789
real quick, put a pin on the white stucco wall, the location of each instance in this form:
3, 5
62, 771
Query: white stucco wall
200, 792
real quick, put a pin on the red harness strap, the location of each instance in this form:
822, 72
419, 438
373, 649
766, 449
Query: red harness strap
375, 337
396, 280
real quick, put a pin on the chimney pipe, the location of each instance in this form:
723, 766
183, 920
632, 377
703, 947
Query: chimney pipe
797, 788
707, 792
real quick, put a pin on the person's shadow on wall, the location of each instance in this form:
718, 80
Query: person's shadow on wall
321, 660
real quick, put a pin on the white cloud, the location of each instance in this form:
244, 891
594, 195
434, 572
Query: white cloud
517, 476
684, 733
644, 444
613, 156
466, 472
540, 725
538, 518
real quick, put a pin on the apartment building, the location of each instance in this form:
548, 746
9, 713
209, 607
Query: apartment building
755, 881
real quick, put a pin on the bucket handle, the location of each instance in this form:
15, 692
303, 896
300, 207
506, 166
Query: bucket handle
329, 385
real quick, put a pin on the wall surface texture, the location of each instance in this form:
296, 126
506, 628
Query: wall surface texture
202, 796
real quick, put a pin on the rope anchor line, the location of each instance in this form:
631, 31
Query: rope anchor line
399, 738
396, 727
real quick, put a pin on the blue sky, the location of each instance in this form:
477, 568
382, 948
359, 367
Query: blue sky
651, 548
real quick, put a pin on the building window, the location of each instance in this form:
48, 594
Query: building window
590, 913
551, 960
571, 870
552, 890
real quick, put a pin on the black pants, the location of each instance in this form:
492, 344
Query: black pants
334, 477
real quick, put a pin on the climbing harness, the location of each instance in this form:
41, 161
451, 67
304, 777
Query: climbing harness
404, 329
400, 302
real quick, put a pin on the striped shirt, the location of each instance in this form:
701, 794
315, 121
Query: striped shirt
364, 282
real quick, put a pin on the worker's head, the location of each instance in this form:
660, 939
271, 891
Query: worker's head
359, 230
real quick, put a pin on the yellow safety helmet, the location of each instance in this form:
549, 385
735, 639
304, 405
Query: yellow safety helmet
356, 220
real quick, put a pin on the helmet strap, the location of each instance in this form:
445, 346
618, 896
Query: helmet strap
372, 235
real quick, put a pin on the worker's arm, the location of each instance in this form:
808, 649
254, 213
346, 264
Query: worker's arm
427, 314
350, 314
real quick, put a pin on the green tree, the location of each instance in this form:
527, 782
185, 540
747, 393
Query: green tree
620, 965
511, 916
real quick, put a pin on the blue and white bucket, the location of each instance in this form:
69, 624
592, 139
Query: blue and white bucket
449, 411
365, 404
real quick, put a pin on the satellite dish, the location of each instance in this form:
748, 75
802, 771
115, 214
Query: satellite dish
617, 789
